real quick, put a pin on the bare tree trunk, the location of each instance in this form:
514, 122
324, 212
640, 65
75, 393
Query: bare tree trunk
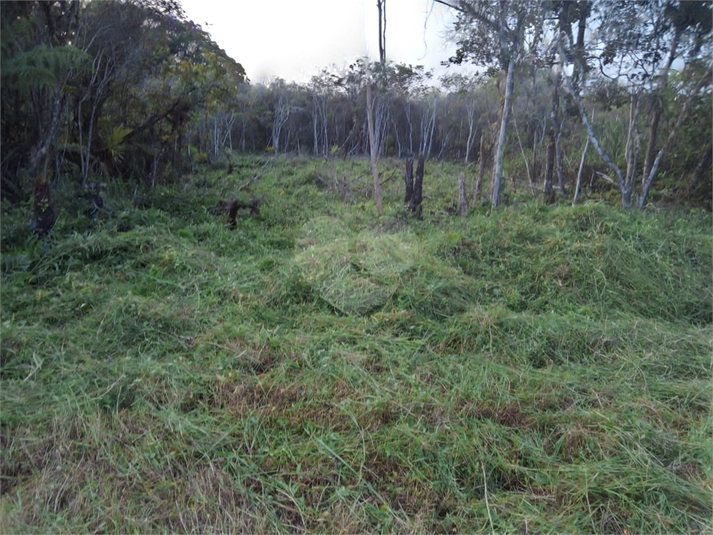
399, 149
590, 131
471, 131
481, 168
428, 125
499, 151
282, 114
549, 167
633, 143
658, 106
558, 159
418, 188
409, 181
524, 157
315, 138
372, 147
579, 174
549, 194
462, 199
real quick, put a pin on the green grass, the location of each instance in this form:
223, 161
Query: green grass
320, 369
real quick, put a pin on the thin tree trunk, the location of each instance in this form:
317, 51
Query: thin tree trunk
499, 151
409, 181
481, 168
462, 199
39, 162
558, 160
579, 174
471, 131
314, 125
703, 166
682, 115
552, 156
418, 188
590, 131
522, 151
658, 106
633, 143
549, 167
372, 147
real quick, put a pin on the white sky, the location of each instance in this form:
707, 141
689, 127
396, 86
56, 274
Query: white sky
295, 39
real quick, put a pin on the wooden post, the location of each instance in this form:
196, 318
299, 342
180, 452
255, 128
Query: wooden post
462, 200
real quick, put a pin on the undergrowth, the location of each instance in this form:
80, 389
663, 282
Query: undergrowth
321, 369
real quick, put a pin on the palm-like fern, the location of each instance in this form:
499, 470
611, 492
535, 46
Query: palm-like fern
43, 66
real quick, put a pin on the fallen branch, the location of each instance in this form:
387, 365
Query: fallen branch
254, 177
607, 178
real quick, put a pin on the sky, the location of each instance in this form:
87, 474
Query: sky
295, 39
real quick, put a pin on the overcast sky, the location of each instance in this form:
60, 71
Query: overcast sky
295, 39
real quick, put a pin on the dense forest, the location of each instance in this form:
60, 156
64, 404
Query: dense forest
133, 91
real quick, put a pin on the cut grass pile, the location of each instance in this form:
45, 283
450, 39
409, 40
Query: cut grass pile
540, 369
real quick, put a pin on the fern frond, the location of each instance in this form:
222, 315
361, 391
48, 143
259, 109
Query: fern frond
43, 65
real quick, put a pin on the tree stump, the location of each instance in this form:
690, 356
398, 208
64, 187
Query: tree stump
234, 205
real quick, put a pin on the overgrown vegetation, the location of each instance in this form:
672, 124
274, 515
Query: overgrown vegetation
536, 369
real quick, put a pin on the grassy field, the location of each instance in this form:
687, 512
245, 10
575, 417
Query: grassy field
320, 369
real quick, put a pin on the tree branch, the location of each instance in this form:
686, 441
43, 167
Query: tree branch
466, 9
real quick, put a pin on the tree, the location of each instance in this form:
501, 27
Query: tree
636, 43
103, 87
39, 61
682, 19
491, 33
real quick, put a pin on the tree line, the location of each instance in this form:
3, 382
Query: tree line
566, 92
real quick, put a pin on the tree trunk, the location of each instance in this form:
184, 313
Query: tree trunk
703, 166
524, 158
590, 131
579, 174
372, 147
462, 199
553, 133
658, 106
549, 195
418, 188
558, 160
409, 181
481, 168
633, 143
471, 131
499, 151
39, 160
682, 115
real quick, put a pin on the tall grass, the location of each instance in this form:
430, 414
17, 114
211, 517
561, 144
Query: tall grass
538, 369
